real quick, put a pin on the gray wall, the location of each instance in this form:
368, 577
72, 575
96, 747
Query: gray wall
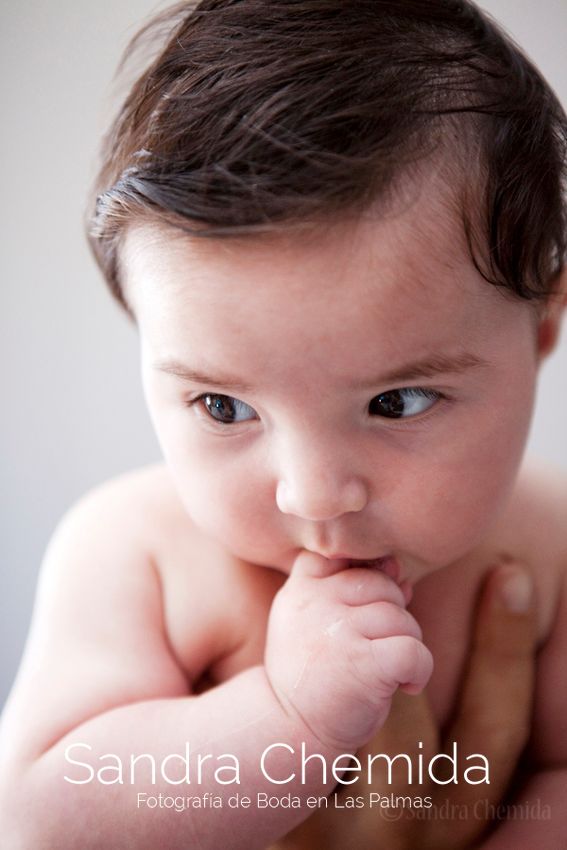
72, 410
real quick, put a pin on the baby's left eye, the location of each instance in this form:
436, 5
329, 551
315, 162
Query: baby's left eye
404, 403
225, 409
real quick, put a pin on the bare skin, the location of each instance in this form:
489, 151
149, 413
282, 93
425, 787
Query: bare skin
215, 622
491, 715
498, 681
367, 396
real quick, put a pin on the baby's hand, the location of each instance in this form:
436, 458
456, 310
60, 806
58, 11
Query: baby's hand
339, 644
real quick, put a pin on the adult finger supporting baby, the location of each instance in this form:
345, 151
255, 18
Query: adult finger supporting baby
494, 712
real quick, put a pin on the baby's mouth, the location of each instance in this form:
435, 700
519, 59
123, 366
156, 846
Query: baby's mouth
387, 565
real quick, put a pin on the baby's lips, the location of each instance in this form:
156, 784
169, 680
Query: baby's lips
388, 564
390, 567
407, 590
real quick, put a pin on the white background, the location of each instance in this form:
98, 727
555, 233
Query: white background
72, 409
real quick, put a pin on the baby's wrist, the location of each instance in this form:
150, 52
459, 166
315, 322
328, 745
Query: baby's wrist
299, 732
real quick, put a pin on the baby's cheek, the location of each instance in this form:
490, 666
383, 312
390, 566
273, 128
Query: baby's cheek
232, 509
458, 493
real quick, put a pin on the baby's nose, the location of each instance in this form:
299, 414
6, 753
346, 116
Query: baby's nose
316, 505
317, 485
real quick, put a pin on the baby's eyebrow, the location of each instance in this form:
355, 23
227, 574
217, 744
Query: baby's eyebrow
186, 373
427, 367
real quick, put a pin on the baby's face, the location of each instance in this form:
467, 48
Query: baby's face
360, 392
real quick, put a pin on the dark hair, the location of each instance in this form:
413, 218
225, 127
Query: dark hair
259, 114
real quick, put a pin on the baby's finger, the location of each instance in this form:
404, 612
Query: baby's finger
383, 619
402, 661
362, 586
309, 564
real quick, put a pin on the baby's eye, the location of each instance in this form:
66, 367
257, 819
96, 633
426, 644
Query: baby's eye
401, 404
227, 410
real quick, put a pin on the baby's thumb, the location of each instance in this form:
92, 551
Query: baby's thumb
311, 565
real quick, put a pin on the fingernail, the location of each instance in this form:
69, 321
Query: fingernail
516, 589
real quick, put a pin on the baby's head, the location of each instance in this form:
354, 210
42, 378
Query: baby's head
340, 228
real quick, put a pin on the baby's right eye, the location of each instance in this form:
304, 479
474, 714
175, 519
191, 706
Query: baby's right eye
225, 409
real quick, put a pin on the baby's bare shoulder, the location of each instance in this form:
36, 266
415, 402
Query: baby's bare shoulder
97, 639
545, 485
138, 511
134, 495
212, 607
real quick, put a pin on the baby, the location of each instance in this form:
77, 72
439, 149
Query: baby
340, 230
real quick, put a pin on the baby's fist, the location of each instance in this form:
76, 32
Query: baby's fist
340, 642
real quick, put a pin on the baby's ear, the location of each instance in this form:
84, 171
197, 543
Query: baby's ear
550, 317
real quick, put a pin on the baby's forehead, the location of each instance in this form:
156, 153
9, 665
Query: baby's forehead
411, 236
342, 299
389, 285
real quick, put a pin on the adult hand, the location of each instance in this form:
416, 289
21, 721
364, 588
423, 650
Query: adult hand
492, 717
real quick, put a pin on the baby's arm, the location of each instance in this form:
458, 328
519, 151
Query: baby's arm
537, 816
98, 670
